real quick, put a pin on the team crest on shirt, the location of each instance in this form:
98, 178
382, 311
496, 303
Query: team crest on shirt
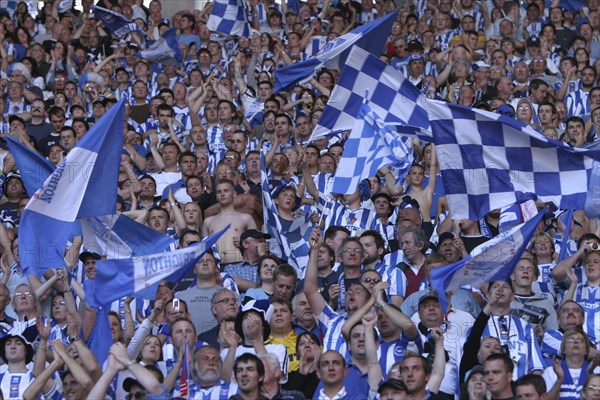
399, 351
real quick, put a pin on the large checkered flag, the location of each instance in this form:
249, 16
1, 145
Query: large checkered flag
230, 17
370, 146
390, 95
371, 36
295, 252
489, 161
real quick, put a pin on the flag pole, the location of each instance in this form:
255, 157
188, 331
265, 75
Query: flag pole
321, 217
110, 226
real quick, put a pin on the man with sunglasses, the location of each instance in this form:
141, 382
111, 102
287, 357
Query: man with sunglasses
517, 337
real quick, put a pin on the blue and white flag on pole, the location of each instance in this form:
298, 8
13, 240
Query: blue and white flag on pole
572, 5
491, 261
34, 168
165, 50
371, 37
100, 338
116, 23
128, 238
84, 185
390, 95
119, 278
370, 146
65, 6
9, 6
592, 203
230, 17
294, 252
489, 161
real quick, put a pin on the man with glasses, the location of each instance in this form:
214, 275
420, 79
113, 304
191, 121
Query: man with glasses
570, 316
206, 375
351, 255
24, 304
224, 307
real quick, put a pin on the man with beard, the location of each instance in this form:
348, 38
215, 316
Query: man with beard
206, 373
374, 248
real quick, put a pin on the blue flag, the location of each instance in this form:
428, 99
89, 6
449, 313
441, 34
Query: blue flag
489, 161
9, 6
84, 185
572, 5
119, 278
100, 339
229, 17
391, 96
128, 238
592, 201
34, 168
370, 146
371, 37
491, 261
567, 218
293, 5
116, 23
164, 51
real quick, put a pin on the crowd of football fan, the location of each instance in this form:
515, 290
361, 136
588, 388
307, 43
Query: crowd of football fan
352, 315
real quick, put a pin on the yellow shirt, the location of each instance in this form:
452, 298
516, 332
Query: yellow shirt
290, 344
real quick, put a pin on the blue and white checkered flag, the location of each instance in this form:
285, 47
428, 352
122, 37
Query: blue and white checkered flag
116, 23
390, 95
489, 161
334, 54
65, 6
9, 6
294, 251
370, 146
229, 17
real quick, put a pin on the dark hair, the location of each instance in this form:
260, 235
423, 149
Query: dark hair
285, 270
538, 383
333, 230
248, 357
311, 335
186, 154
508, 363
184, 319
268, 257
379, 242
158, 208
281, 300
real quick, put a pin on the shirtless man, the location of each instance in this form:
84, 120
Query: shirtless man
423, 196
228, 243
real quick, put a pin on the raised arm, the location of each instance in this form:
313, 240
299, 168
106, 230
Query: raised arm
101, 387
409, 329
375, 375
439, 362
141, 374
316, 301
43, 381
